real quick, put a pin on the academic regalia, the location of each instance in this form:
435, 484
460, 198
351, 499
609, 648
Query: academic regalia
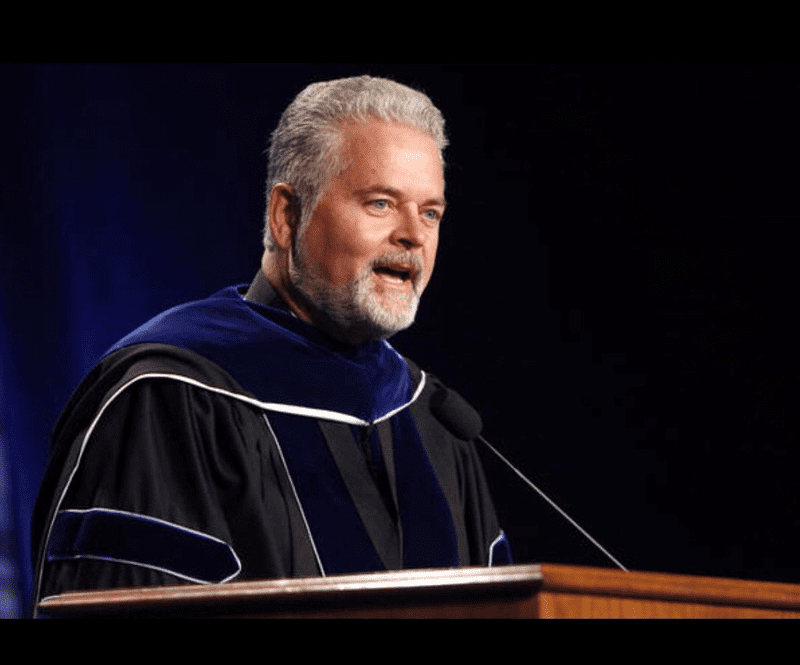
228, 439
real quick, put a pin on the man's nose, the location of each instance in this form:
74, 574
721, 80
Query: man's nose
411, 230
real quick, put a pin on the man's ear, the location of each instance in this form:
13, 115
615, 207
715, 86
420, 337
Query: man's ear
284, 215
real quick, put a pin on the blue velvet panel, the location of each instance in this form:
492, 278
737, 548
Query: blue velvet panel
300, 366
124, 537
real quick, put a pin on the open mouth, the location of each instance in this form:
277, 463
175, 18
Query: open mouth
395, 273
402, 269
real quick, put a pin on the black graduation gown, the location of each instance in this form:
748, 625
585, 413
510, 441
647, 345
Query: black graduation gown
164, 471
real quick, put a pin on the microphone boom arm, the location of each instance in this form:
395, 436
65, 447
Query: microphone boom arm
546, 498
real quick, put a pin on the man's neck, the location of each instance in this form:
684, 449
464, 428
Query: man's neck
263, 293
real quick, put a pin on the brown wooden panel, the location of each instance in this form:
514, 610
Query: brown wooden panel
581, 606
677, 595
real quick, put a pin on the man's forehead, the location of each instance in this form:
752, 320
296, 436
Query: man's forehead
375, 144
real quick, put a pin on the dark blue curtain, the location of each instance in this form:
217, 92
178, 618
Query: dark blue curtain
125, 190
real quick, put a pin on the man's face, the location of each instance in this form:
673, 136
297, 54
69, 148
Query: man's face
368, 250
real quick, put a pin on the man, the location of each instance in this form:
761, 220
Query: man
271, 431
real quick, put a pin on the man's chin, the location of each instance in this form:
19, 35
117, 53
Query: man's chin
391, 315
372, 319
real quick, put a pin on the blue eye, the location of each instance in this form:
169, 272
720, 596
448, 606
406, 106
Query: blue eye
380, 204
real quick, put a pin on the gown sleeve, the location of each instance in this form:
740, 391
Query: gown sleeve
171, 483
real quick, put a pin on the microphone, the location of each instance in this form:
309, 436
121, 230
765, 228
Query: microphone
464, 422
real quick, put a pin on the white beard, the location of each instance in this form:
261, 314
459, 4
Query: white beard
357, 307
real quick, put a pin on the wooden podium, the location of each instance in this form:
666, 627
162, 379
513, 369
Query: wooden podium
520, 591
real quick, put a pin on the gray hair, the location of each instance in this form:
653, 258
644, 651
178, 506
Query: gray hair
305, 150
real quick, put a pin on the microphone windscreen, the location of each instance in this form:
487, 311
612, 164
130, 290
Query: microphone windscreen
456, 414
